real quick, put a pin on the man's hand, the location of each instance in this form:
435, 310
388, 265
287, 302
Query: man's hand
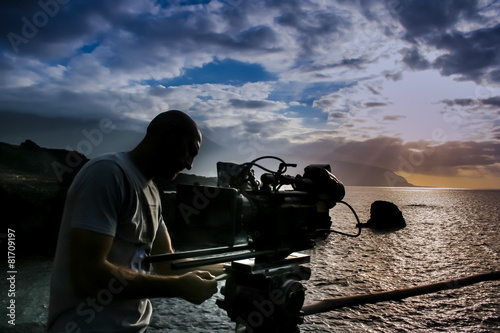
197, 286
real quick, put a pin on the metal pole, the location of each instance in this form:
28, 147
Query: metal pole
194, 253
335, 303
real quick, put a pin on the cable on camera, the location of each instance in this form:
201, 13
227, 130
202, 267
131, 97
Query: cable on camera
343, 233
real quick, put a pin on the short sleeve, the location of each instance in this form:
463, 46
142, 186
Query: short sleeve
162, 228
95, 197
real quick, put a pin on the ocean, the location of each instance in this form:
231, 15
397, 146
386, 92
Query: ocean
450, 233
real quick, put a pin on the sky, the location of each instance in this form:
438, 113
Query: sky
410, 86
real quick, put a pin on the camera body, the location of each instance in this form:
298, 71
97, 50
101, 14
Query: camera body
242, 210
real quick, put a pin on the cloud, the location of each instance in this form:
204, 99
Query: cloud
493, 101
422, 157
427, 17
249, 104
460, 102
337, 115
374, 104
39, 28
393, 118
312, 28
414, 60
464, 32
472, 55
266, 74
132, 35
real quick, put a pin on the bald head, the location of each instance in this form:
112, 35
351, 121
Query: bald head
172, 141
172, 122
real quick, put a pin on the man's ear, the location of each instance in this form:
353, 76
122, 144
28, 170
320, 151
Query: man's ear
170, 141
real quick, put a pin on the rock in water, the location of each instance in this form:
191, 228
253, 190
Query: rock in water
385, 215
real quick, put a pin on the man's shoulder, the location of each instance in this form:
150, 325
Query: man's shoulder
107, 160
101, 167
107, 157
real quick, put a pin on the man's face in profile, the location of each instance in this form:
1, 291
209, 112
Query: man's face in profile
177, 155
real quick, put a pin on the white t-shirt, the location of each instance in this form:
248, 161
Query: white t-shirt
110, 196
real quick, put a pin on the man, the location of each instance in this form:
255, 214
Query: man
112, 219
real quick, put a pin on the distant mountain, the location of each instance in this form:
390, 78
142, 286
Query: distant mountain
354, 174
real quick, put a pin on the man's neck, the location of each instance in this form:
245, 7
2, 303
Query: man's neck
141, 162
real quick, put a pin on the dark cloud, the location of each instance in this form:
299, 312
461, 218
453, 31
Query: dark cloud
350, 63
414, 60
460, 102
469, 102
494, 101
393, 118
132, 40
253, 127
494, 76
428, 17
373, 91
257, 37
374, 104
256, 130
337, 115
47, 29
473, 55
311, 28
447, 158
249, 104
398, 76
354, 63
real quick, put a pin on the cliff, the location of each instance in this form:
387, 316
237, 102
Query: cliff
354, 174
33, 185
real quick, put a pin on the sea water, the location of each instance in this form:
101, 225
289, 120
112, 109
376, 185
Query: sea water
450, 234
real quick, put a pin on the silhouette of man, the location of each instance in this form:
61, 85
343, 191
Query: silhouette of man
112, 219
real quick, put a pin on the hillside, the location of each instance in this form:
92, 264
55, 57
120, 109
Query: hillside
33, 185
354, 174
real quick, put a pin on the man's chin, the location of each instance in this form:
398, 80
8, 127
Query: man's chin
168, 176
171, 176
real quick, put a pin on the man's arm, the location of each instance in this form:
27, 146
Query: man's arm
162, 244
91, 272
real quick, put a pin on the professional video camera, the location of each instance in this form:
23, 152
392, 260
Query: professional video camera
259, 226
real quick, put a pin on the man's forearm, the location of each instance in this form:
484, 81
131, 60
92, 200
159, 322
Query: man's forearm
92, 273
125, 283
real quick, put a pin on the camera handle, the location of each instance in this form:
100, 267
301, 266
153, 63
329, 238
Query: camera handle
214, 256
